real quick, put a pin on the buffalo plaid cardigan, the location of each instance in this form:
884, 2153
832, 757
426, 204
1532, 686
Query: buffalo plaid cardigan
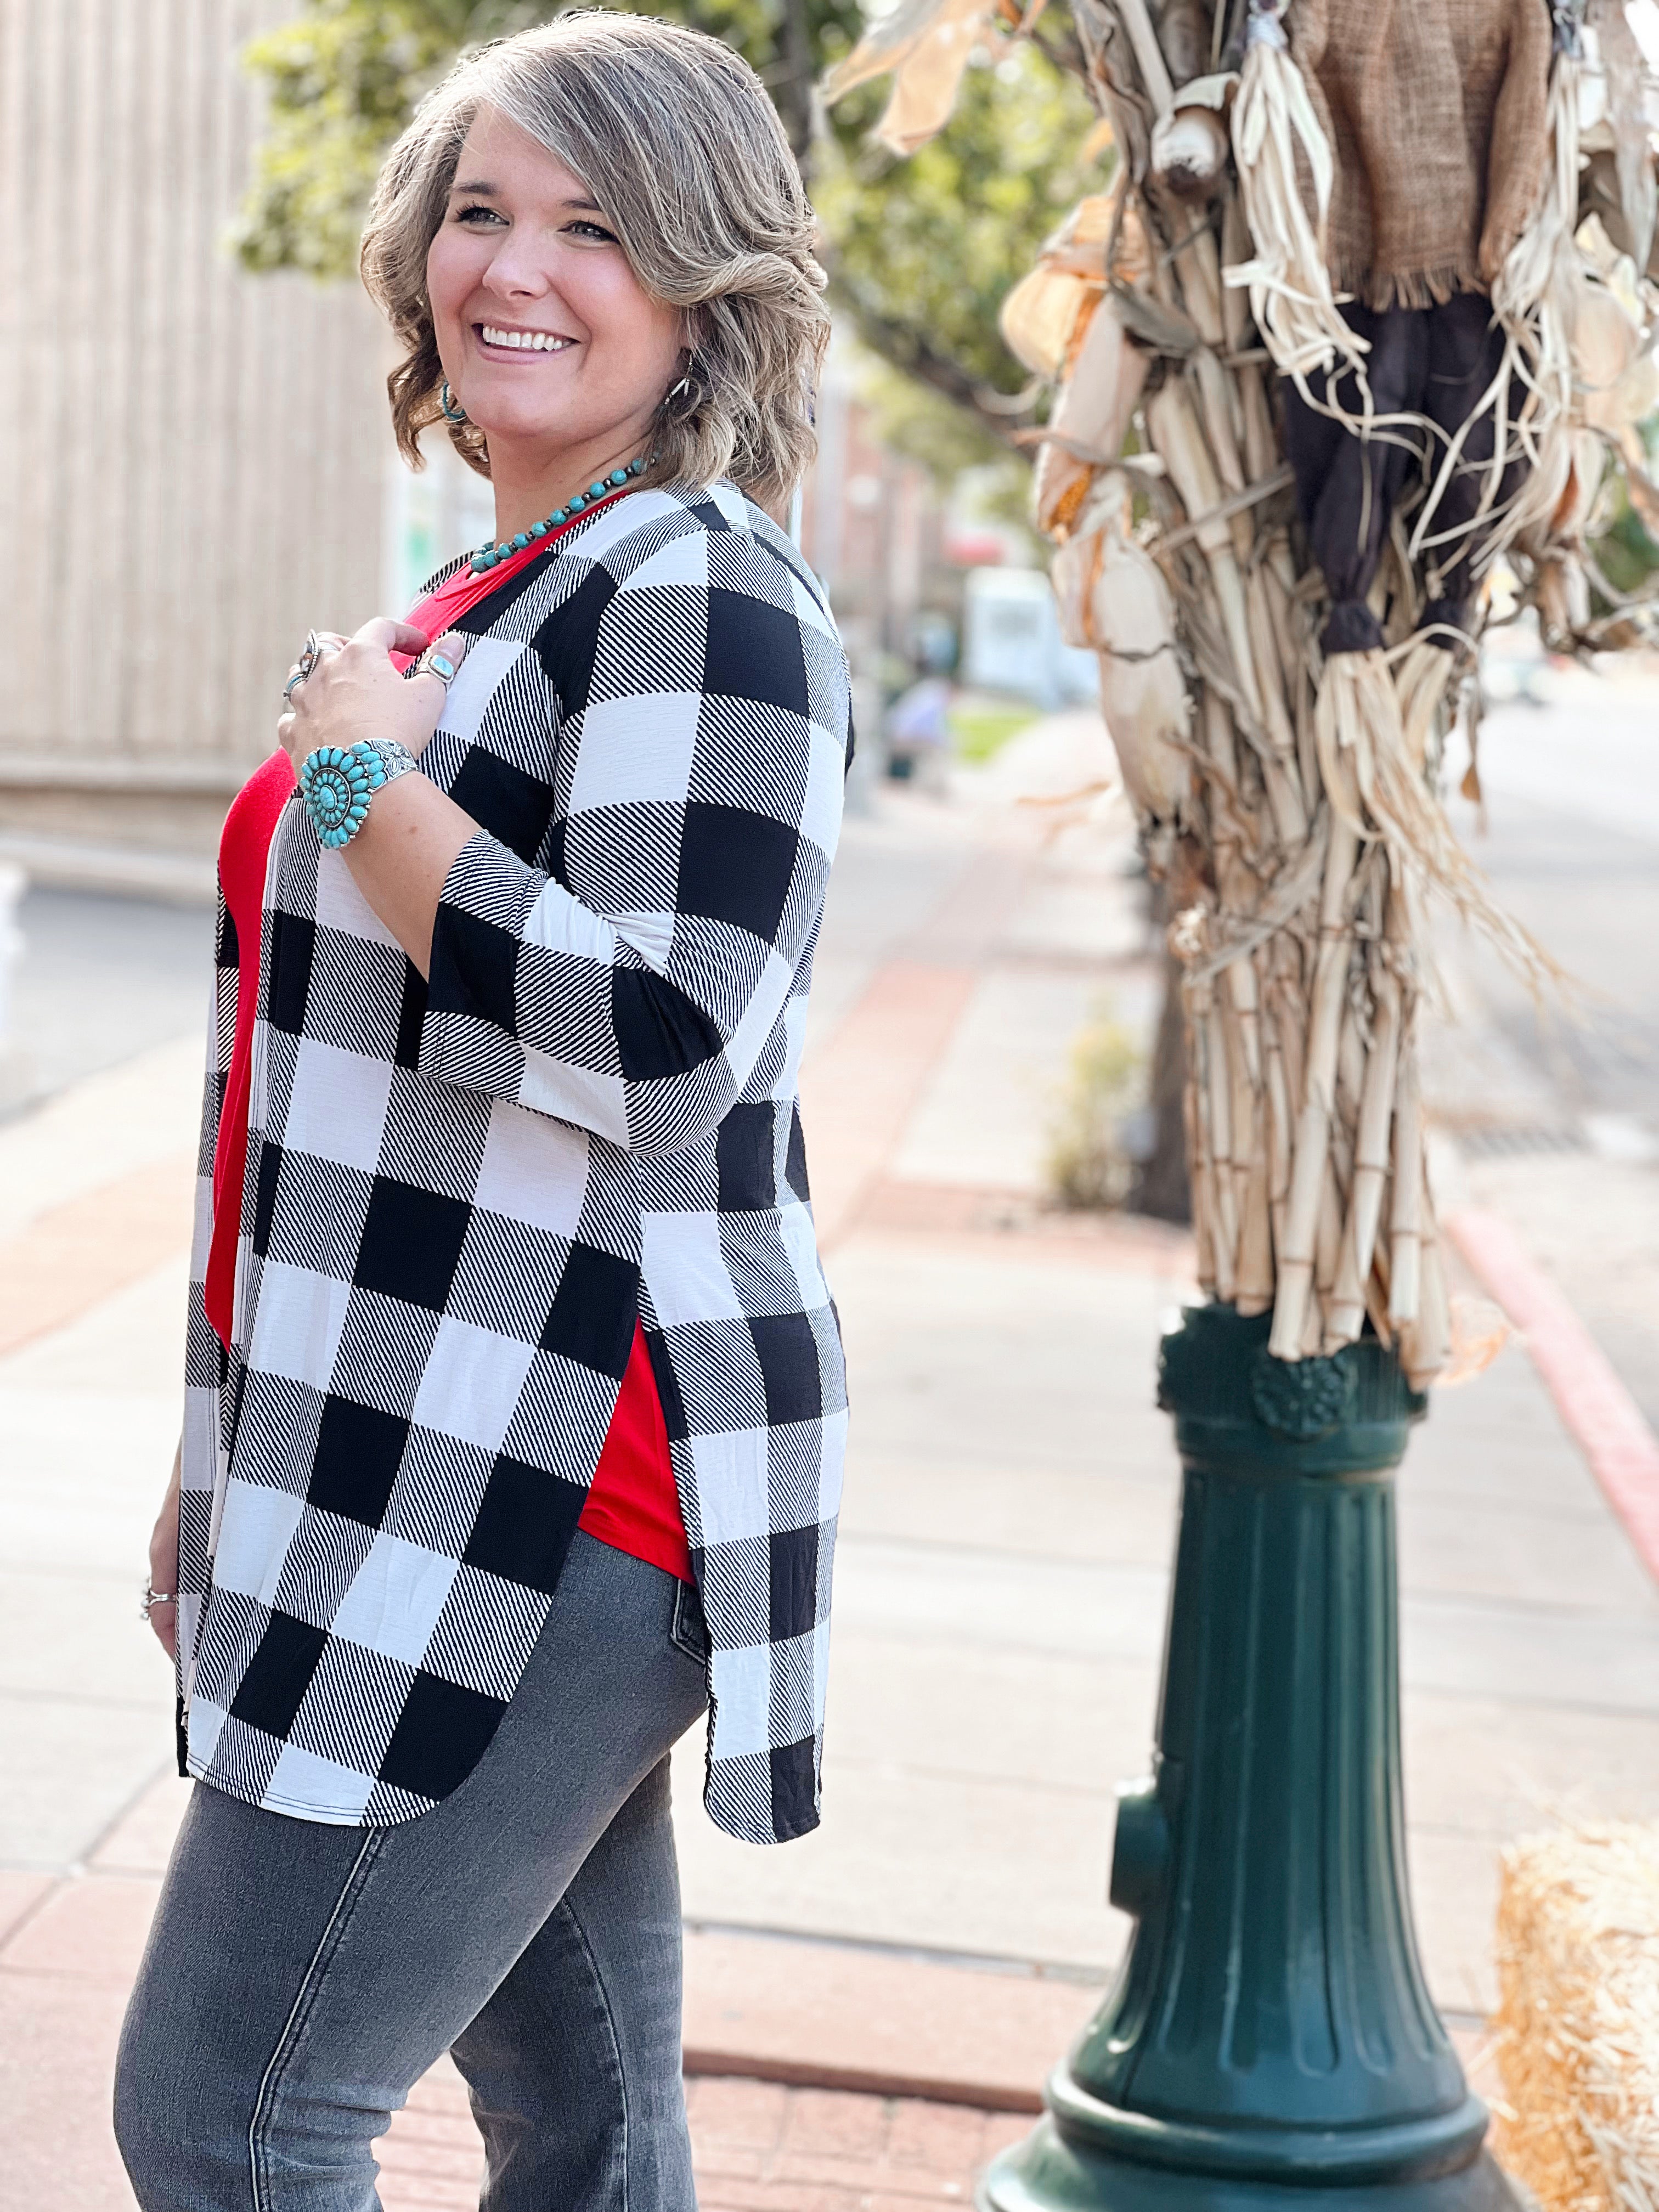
459, 1195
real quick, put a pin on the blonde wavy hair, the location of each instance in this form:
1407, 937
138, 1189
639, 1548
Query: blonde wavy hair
675, 137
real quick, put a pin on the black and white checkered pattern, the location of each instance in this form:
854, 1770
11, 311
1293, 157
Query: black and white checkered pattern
460, 1195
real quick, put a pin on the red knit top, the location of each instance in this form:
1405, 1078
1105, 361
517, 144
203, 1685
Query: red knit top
632, 1504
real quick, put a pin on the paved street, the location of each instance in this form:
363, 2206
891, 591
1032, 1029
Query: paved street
1559, 1117
1002, 1574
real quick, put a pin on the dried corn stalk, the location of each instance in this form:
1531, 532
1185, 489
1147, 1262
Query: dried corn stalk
1306, 827
1581, 315
1293, 808
1577, 2024
1105, 375
1041, 317
926, 45
1112, 597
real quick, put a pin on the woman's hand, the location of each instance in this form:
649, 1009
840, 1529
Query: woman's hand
405, 848
164, 1563
355, 693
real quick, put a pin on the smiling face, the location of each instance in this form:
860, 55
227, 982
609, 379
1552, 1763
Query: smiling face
546, 335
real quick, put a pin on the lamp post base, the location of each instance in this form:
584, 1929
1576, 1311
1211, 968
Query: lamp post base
1048, 2172
1270, 2045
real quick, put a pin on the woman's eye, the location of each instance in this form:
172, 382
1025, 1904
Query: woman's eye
594, 230
468, 214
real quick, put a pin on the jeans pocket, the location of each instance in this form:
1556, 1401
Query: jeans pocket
687, 1630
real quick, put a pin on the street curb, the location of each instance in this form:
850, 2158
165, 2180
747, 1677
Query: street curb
117, 871
811, 2013
1603, 1419
863, 2080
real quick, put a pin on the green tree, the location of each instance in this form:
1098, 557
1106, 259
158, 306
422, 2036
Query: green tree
924, 248
919, 251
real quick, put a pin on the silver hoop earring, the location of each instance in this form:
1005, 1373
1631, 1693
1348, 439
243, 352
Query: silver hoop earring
453, 410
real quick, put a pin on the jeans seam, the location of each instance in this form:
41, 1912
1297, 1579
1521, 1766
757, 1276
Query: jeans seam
287, 2041
566, 1906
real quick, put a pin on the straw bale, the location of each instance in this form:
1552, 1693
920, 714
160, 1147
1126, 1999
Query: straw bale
1577, 2027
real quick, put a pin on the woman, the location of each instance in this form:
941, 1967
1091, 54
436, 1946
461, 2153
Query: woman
524, 1441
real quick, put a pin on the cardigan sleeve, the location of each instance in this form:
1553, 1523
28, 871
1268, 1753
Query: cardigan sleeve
702, 717
203, 1353
204, 1356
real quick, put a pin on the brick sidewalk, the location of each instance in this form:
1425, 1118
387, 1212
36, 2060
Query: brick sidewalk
758, 2149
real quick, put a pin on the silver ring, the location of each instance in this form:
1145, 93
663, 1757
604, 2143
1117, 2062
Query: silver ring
315, 650
155, 1597
310, 654
434, 663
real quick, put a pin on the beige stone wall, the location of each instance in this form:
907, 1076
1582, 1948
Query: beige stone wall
192, 462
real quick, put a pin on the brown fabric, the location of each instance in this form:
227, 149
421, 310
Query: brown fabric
1435, 110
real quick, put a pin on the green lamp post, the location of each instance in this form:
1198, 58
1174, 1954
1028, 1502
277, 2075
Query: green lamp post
1271, 2042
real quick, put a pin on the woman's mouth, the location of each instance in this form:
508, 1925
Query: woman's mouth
499, 338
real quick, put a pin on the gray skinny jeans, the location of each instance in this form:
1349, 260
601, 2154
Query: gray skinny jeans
300, 1979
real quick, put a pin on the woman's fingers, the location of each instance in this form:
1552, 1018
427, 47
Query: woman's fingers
355, 691
451, 647
328, 641
390, 636
164, 1563
436, 670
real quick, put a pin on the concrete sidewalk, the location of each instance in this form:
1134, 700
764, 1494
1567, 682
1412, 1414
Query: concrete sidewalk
1001, 1579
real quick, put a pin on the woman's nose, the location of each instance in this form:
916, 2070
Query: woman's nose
517, 271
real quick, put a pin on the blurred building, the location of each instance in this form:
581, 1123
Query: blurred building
874, 527
193, 462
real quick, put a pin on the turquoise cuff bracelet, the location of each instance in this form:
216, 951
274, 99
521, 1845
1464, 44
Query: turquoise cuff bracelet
336, 783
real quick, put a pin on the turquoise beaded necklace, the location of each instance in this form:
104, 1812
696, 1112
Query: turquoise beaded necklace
601, 488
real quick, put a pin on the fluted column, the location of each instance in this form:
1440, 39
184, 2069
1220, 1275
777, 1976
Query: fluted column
1271, 2040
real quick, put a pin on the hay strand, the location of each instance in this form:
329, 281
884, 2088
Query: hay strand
1288, 280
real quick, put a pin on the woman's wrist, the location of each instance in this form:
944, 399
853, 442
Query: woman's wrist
404, 857
338, 782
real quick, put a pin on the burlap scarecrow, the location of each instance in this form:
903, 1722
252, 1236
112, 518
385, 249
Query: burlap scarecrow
1435, 112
